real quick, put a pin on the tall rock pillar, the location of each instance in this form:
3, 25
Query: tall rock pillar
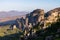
41, 18
26, 20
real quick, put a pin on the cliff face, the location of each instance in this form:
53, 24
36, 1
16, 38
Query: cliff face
37, 16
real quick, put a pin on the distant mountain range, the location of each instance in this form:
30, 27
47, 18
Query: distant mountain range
11, 15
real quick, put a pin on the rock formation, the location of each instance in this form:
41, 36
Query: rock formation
38, 16
52, 15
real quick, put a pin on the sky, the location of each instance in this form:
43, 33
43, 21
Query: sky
28, 5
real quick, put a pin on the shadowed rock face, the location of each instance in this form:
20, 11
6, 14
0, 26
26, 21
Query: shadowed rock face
35, 16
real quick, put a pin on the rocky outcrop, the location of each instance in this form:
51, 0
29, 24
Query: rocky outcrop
52, 16
38, 15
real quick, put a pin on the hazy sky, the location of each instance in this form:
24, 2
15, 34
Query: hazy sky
28, 5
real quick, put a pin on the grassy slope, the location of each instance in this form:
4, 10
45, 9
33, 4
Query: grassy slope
4, 31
